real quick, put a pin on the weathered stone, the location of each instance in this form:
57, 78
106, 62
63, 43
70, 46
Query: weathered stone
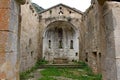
59, 34
60, 31
9, 40
29, 38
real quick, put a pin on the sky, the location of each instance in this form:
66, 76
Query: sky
81, 5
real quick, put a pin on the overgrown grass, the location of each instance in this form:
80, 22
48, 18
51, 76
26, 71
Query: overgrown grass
27, 74
85, 73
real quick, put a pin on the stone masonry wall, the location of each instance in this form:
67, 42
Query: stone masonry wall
61, 13
111, 13
29, 36
94, 37
9, 50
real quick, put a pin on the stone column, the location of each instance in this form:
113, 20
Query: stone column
112, 56
116, 25
9, 42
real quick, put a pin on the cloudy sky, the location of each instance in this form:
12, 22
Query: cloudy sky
78, 4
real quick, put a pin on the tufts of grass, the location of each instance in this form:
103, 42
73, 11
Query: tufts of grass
27, 74
51, 72
85, 73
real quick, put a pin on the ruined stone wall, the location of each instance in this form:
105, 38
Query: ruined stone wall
29, 36
66, 18
9, 40
94, 37
111, 14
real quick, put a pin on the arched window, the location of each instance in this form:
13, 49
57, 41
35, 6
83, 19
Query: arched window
86, 57
49, 44
60, 33
60, 44
76, 54
71, 44
30, 42
32, 53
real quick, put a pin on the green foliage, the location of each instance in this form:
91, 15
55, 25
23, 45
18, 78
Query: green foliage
37, 8
85, 73
51, 72
27, 74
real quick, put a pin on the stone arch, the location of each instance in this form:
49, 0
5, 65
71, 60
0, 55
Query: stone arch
73, 25
59, 35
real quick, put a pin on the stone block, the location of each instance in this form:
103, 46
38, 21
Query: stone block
4, 4
4, 19
2, 76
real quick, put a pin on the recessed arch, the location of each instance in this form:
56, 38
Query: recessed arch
62, 21
61, 33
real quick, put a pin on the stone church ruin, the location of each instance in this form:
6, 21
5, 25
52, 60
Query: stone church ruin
60, 34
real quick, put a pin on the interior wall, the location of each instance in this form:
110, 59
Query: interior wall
94, 37
61, 41
111, 13
29, 38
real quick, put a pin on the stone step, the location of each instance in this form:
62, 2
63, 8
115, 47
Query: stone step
61, 66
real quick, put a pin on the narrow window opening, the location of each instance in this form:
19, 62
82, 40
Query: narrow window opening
100, 58
60, 33
50, 11
71, 44
32, 53
60, 44
76, 54
86, 57
50, 44
99, 55
30, 42
70, 12
95, 54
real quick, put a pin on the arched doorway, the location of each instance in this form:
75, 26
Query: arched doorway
60, 41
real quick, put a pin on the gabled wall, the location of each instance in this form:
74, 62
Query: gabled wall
62, 10
21, 38
61, 13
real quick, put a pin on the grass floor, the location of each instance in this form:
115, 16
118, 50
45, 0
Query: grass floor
68, 74
83, 73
